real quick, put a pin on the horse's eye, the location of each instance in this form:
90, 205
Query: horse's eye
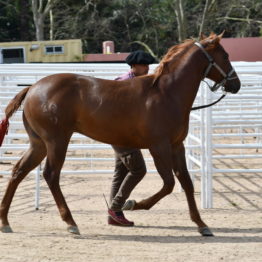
226, 56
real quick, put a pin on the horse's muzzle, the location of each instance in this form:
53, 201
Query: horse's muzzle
233, 86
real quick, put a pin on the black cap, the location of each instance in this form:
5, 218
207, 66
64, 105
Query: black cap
140, 57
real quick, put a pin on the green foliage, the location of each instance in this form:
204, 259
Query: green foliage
16, 21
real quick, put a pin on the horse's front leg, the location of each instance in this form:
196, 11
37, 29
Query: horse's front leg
181, 172
163, 161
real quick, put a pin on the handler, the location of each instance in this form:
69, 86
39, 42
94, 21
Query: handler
130, 166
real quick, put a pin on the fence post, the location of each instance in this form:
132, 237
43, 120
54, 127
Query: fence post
206, 180
37, 187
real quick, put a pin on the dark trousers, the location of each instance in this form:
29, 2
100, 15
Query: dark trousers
129, 170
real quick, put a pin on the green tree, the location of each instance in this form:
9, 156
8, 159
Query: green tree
131, 24
15, 20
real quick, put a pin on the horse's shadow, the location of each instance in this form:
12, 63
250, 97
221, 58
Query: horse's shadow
220, 229
182, 239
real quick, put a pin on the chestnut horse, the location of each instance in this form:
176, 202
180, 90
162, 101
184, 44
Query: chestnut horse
144, 112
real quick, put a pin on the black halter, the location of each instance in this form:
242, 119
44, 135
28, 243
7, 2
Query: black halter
216, 86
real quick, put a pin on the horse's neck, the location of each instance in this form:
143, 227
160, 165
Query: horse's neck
186, 77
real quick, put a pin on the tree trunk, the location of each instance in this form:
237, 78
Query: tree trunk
51, 31
39, 23
181, 21
203, 18
39, 13
208, 6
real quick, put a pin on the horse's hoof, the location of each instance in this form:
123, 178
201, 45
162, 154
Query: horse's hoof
129, 205
73, 230
6, 229
205, 232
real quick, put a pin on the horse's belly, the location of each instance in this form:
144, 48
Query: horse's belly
112, 133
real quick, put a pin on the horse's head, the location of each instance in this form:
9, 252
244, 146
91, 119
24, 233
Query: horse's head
219, 69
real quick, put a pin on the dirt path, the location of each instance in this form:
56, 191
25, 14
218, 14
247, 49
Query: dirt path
164, 233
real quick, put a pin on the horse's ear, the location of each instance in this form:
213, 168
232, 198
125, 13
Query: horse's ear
202, 36
215, 39
221, 35
212, 34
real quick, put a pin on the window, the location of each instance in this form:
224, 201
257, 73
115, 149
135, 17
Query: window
12, 55
54, 49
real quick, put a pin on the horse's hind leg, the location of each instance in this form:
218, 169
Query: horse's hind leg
180, 169
163, 162
32, 158
56, 151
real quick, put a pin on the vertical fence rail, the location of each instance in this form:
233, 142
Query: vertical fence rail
206, 180
37, 187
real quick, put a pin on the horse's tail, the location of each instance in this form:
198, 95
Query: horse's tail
15, 103
11, 108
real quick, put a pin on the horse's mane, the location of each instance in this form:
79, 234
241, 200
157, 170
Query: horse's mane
174, 53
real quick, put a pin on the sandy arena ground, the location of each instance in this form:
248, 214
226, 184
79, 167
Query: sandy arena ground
164, 233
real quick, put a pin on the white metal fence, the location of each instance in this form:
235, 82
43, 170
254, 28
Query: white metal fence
229, 130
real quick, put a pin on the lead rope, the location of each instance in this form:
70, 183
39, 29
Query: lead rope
205, 106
